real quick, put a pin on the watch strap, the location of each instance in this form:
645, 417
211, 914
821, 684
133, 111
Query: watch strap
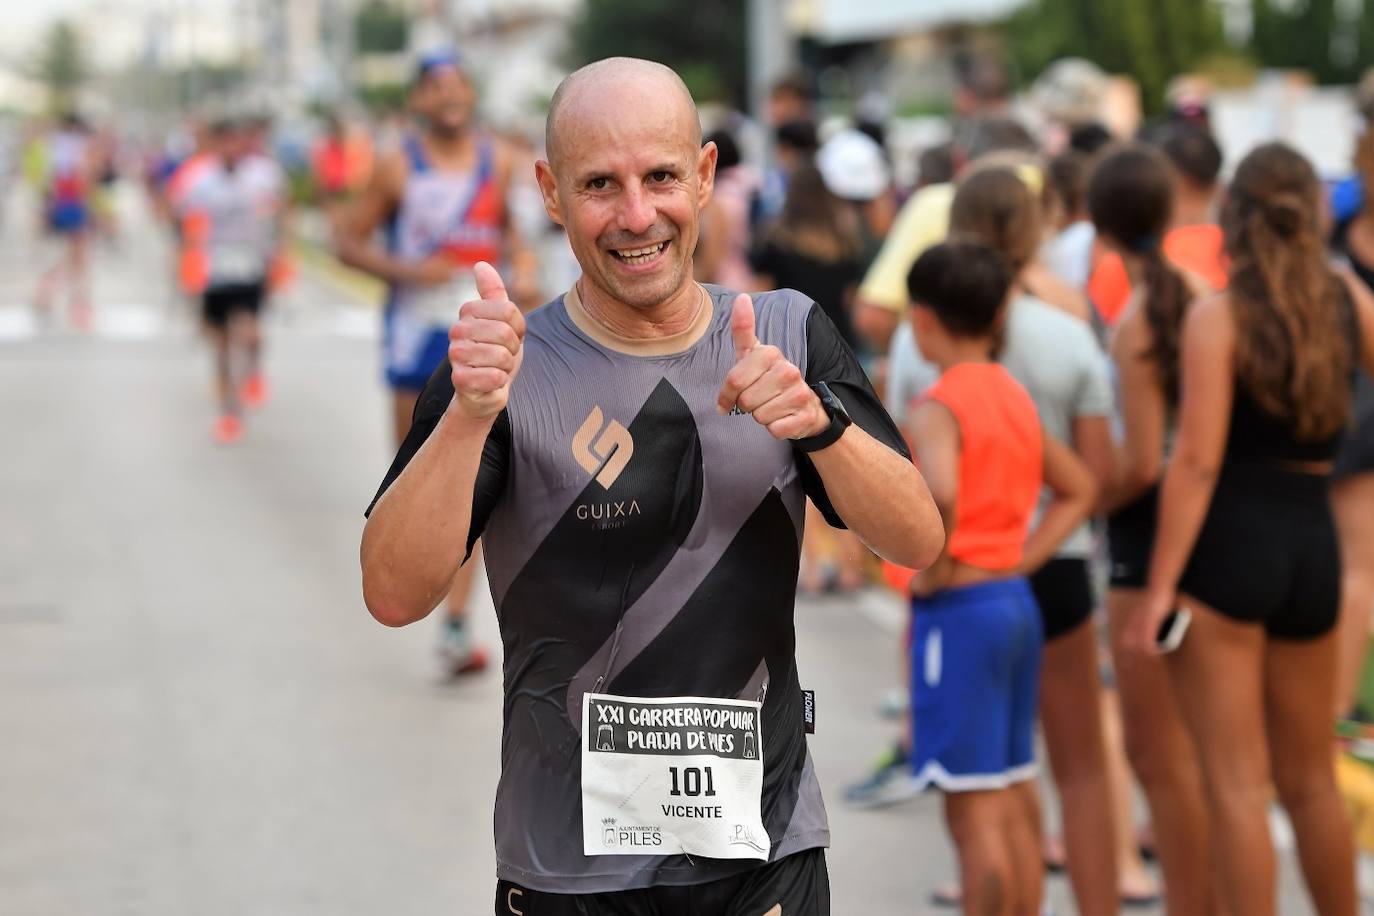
839, 422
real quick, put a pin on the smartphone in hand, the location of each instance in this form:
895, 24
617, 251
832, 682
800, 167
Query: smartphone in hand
1172, 630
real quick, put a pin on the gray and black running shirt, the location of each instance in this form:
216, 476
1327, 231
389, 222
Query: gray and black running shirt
640, 544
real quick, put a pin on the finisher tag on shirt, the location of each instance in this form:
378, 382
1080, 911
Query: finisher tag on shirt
672, 775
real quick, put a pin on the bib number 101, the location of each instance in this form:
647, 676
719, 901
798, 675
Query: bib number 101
689, 781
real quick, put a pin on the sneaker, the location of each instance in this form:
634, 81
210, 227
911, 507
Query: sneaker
228, 429
254, 391
459, 654
890, 783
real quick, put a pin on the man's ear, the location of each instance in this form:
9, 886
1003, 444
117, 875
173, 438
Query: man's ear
548, 189
706, 173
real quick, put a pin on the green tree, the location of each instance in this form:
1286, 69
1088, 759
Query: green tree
704, 41
1151, 41
1313, 35
380, 28
61, 64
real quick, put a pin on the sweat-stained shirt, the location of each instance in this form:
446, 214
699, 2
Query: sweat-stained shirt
639, 544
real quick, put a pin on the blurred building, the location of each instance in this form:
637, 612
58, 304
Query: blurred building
516, 48
844, 21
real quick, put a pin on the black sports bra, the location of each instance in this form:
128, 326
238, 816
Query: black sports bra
1258, 435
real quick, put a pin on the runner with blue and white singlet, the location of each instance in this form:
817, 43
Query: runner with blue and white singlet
441, 203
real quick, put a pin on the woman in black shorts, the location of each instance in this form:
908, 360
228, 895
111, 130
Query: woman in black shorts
1130, 198
1245, 539
1055, 356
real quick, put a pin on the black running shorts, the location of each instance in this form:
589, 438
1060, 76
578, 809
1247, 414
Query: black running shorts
1268, 552
1131, 540
797, 885
1064, 591
220, 302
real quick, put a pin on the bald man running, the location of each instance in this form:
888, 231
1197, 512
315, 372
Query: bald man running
635, 456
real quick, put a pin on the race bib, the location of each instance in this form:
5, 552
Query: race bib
236, 264
438, 305
672, 775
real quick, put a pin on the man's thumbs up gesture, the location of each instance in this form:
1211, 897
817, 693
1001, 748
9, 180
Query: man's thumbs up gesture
764, 384
485, 347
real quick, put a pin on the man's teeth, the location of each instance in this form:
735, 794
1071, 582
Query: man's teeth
639, 255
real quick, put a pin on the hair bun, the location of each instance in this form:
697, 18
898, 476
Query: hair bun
1284, 213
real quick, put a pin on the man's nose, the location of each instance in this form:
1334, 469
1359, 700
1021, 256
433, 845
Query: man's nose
637, 212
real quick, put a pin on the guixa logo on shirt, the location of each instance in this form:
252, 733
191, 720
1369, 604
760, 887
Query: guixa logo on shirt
607, 456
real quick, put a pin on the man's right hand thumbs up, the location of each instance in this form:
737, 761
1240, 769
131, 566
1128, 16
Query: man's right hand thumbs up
485, 347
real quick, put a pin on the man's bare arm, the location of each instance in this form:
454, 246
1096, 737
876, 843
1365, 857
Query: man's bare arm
417, 534
353, 235
877, 491
882, 498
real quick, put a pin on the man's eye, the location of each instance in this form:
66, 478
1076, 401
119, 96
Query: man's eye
598, 184
660, 177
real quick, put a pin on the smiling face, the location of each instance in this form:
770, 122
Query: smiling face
627, 179
444, 98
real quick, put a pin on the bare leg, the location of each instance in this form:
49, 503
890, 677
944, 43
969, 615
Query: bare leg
225, 391
1299, 680
1133, 878
1352, 502
1162, 754
1069, 690
402, 409
813, 551
977, 824
461, 587
79, 278
250, 343
850, 553
47, 286
1218, 674
1024, 832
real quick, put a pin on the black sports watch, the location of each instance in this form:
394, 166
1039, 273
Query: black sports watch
839, 421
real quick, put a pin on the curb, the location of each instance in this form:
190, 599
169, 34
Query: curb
326, 269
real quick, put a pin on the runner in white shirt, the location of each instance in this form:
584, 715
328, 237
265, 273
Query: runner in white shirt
241, 194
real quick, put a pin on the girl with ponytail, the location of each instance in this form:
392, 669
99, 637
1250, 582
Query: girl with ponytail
1130, 198
1056, 358
1245, 541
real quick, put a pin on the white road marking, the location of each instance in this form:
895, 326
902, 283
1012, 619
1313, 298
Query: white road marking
134, 322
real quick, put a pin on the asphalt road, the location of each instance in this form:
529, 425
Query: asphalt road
197, 715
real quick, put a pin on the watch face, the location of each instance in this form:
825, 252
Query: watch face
832, 403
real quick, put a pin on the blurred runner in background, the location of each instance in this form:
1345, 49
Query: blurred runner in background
240, 195
340, 165
69, 174
443, 201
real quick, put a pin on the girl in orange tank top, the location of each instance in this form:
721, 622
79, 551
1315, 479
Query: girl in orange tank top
976, 630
